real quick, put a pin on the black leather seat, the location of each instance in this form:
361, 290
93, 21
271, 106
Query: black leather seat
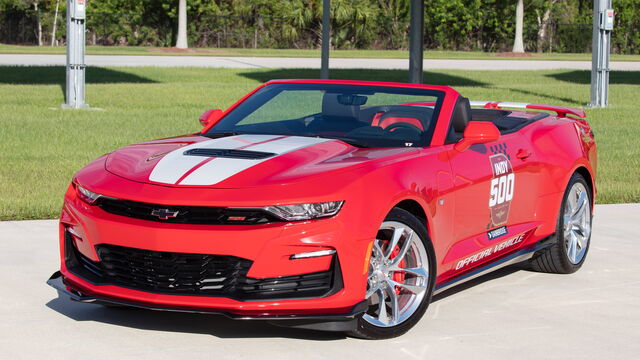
459, 120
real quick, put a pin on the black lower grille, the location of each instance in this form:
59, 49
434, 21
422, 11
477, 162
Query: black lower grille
175, 273
193, 274
197, 215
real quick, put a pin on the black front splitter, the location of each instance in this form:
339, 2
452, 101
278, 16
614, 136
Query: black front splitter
323, 322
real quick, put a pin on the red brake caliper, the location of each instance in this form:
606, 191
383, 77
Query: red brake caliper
398, 276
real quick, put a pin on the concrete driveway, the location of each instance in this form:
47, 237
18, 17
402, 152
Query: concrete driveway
307, 63
512, 314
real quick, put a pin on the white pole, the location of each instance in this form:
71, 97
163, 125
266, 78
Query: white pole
75, 55
601, 48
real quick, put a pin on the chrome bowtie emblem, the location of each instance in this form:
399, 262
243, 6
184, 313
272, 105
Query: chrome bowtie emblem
164, 214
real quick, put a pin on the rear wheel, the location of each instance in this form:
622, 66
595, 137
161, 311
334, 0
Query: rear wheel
573, 232
400, 280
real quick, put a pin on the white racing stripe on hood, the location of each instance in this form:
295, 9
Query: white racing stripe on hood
175, 164
220, 169
207, 171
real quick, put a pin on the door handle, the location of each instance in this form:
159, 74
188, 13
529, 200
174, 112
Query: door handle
522, 154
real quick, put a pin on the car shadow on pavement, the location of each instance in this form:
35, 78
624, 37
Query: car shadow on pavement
508, 270
215, 325
218, 325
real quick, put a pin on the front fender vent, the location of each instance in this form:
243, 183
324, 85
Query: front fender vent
230, 153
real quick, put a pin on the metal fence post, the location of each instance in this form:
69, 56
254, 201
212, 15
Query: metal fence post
326, 39
601, 47
416, 38
76, 15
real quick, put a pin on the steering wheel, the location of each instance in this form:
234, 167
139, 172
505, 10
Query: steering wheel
402, 125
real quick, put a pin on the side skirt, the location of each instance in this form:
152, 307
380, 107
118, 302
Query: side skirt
516, 257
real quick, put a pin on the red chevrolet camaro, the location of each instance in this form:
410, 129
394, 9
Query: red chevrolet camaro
335, 205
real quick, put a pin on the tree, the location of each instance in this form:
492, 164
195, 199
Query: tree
518, 43
543, 25
181, 41
55, 24
38, 22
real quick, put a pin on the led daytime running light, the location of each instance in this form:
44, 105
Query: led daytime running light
312, 254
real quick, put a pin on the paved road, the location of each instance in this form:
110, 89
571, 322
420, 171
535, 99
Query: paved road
593, 314
309, 63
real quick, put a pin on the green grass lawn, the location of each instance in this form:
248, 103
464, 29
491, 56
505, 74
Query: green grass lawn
42, 146
375, 54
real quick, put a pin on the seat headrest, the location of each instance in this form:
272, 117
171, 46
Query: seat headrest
332, 108
461, 114
419, 118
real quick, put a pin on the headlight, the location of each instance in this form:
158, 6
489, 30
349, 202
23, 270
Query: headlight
89, 196
305, 211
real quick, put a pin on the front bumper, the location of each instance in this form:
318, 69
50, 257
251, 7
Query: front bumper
57, 281
268, 247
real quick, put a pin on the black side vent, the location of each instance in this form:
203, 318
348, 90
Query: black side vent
230, 153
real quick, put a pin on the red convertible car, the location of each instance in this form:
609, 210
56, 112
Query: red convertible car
335, 205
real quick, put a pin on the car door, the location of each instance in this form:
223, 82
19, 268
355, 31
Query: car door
495, 195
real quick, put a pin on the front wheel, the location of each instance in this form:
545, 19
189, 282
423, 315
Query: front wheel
400, 279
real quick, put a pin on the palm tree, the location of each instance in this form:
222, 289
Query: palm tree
518, 45
181, 41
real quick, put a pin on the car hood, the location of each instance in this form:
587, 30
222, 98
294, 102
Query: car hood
239, 161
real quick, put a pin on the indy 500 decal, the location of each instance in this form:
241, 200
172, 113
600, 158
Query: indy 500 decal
502, 188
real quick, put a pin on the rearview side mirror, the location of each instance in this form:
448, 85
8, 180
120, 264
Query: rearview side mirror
477, 132
210, 117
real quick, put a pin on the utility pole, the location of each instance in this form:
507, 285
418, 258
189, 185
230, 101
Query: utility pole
603, 17
326, 39
416, 39
76, 15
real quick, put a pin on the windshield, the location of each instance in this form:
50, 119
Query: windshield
365, 116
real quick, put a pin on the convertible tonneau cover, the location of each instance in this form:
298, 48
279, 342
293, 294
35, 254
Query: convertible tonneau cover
561, 111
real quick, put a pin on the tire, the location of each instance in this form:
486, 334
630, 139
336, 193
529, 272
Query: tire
573, 231
402, 244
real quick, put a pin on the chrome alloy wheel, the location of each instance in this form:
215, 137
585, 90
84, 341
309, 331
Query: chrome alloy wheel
577, 222
398, 275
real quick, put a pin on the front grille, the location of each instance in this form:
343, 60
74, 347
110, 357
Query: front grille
196, 215
193, 274
176, 273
